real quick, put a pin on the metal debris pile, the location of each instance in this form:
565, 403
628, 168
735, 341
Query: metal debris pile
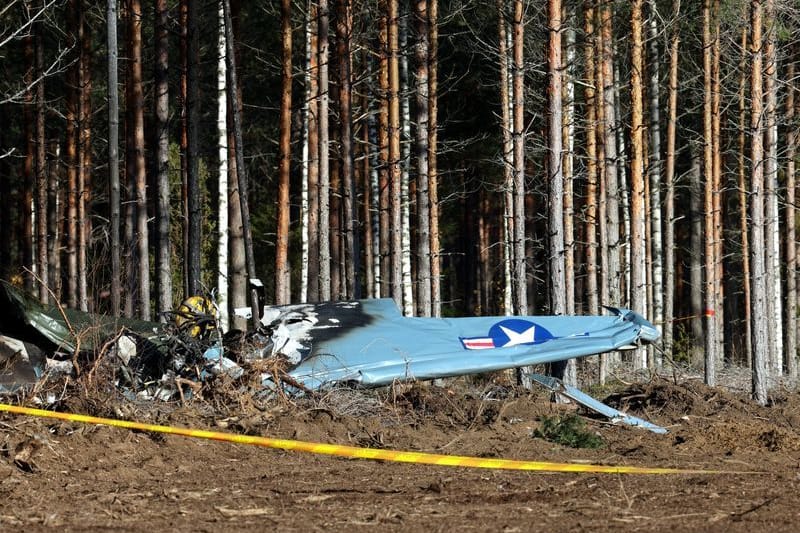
150, 360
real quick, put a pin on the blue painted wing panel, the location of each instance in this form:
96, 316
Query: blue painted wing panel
370, 343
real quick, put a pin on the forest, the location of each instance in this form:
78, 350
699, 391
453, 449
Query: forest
462, 157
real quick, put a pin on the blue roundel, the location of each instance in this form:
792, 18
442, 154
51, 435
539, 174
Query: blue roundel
515, 331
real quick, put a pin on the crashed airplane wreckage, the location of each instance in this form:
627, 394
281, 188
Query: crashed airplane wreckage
366, 343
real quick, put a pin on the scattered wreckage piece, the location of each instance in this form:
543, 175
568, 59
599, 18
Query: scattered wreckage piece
150, 358
615, 415
20, 364
60, 329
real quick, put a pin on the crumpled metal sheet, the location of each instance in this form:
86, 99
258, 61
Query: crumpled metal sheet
615, 415
28, 319
20, 364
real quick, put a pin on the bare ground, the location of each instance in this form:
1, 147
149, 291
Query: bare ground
66, 476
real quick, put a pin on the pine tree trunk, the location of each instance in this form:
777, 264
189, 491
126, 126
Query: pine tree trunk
708, 206
241, 173
84, 158
113, 156
615, 192
590, 97
790, 221
771, 217
282, 277
223, 221
564, 370
139, 170
568, 158
518, 133
669, 181
555, 168
344, 29
602, 196
654, 170
335, 229
368, 186
424, 258
41, 171
163, 250
324, 157
433, 177
637, 236
406, 193
623, 193
716, 135
376, 211
506, 126
613, 272
742, 187
305, 234
71, 157
194, 215
183, 7
384, 185
54, 203
394, 154
129, 262
697, 349
193, 254
761, 347
237, 260
26, 198
312, 135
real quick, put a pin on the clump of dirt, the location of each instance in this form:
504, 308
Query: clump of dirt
703, 418
442, 406
666, 399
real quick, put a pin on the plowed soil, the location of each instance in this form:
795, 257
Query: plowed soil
74, 477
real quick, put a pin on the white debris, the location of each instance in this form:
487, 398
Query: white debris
125, 349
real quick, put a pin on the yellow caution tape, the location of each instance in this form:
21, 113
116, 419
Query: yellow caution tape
352, 451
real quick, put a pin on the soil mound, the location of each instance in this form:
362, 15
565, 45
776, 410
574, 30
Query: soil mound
77, 477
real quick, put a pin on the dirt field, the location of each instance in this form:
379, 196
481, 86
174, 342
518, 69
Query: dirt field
76, 477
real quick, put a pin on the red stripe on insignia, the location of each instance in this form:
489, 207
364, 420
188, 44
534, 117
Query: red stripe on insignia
478, 344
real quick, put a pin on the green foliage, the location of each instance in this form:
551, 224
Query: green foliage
208, 229
683, 344
569, 430
176, 223
598, 391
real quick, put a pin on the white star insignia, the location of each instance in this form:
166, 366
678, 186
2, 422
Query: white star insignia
515, 338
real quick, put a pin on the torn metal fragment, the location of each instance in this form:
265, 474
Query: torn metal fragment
21, 364
584, 399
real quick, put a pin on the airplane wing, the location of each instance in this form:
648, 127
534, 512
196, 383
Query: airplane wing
369, 343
